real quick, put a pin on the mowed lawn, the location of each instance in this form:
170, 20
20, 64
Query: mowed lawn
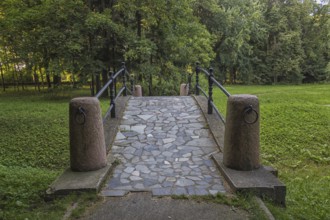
34, 150
295, 139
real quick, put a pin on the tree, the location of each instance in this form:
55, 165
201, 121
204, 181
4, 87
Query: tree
316, 44
234, 25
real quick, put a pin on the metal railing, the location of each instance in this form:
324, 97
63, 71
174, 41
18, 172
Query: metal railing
111, 84
211, 81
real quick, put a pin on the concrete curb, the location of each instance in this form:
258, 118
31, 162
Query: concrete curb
261, 182
70, 181
264, 208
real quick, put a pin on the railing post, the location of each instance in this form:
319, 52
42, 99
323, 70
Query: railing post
197, 78
98, 82
132, 83
112, 97
110, 74
209, 106
124, 79
115, 85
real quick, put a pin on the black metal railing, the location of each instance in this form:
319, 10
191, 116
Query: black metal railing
211, 81
111, 84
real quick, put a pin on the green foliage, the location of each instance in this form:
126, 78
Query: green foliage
295, 127
259, 41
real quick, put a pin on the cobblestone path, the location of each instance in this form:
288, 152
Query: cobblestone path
164, 145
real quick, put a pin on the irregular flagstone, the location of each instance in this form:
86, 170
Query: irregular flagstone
184, 182
145, 117
120, 136
203, 142
138, 128
164, 144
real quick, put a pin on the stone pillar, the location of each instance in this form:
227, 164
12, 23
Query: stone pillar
137, 91
184, 89
87, 143
241, 144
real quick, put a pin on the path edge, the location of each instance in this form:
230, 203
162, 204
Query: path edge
213, 121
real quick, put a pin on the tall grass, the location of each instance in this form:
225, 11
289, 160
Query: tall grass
295, 139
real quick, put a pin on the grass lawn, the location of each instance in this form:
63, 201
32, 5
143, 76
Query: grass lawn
295, 139
34, 148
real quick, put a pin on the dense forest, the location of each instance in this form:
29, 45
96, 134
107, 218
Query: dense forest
246, 41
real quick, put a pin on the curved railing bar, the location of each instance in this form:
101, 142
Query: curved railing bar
220, 86
113, 91
108, 112
105, 87
120, 92
218, 113
204, 93
119, 72
204, 71
211, 80
128, 90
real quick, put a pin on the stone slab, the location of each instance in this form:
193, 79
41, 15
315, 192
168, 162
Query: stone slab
70, 181
261, 181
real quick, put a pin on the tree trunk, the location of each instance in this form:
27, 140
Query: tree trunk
48, 78
42, 78
275, 78
56, 80
92, 86
21, 77
3, 79
113, 53
104, 81
150, 84
14, 81
98, 82
36, 79
139, 23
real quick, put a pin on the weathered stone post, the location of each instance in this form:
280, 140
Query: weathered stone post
87, 143
184, 89
137, 91
241, 144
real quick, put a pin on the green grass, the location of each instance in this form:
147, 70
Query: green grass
245, 201
295, 139
34, 150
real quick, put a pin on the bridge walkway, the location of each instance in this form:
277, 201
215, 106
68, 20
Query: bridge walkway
163, 146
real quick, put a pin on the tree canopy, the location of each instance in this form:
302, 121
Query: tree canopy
257, 41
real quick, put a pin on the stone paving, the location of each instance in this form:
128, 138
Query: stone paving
164, 146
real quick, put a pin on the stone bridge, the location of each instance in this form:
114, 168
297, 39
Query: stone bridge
166, 146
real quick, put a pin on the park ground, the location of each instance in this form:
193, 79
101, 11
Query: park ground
34, 149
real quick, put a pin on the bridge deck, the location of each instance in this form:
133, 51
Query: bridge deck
164, 144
